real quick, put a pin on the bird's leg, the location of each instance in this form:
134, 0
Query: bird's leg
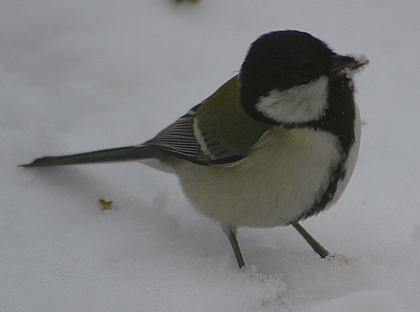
230, 231
317, 247
236, 250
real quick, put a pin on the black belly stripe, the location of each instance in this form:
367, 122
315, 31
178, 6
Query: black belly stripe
339, 119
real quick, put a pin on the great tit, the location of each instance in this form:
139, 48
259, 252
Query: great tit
274, 145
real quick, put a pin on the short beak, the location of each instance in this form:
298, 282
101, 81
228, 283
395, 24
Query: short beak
344, 62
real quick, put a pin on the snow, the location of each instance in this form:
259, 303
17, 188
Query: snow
84, 75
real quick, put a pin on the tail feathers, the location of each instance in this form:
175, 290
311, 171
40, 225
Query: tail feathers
129, 153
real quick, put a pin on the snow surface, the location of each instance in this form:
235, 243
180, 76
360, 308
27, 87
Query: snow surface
84, 75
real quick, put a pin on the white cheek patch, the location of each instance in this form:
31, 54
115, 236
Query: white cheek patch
297, 104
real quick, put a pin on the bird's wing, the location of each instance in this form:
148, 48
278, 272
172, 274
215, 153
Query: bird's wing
213, 132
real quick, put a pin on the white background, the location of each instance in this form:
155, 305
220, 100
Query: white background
83, 75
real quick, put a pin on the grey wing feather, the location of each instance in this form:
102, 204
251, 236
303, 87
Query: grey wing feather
179, 140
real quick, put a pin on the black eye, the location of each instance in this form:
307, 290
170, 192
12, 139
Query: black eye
303, 77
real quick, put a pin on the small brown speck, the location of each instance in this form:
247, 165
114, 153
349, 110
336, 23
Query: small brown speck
105, 205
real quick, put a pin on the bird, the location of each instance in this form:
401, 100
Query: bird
274, 145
